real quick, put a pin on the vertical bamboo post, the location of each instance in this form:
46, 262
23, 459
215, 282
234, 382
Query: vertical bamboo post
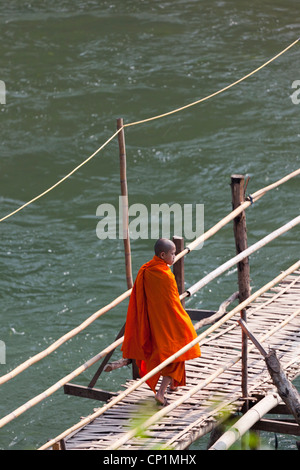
178, 268
124, 193
125, 218
240, 234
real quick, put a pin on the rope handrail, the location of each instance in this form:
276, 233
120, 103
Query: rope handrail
144, 121
182, 108
170, 359
34, 359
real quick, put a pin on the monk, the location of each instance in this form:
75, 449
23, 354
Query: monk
157, 326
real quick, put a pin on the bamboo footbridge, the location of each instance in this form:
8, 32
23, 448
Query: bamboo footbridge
230, 377
214, 380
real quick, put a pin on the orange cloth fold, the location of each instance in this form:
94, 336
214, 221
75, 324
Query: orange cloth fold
157, 326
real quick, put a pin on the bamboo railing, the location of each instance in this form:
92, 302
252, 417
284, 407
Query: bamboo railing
192, 246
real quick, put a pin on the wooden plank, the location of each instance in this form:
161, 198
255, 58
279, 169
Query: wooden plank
199, 314
86, 392
278, 426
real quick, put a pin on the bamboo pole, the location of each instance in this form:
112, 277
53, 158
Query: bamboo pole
209, 330
252, 337
233, 261
34, 401
178, 268
63, 339
124, 193
166, 409
249, 201
246, 422
240, 235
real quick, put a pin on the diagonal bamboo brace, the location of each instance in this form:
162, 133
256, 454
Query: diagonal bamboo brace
286, 390
252, 337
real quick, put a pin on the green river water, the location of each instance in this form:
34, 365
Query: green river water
70, 69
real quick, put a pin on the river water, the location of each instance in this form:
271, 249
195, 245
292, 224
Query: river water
70, 69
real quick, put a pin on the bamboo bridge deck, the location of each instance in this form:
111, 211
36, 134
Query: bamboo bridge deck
273, 315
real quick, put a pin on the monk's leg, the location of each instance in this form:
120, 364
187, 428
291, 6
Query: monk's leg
160, 396
173, 374
173, 385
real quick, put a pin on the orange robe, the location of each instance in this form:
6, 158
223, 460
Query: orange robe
157, 326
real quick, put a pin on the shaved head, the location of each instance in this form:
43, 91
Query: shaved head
163, 245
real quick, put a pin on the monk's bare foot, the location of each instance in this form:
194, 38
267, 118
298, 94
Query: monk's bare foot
161, 401
159, 398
